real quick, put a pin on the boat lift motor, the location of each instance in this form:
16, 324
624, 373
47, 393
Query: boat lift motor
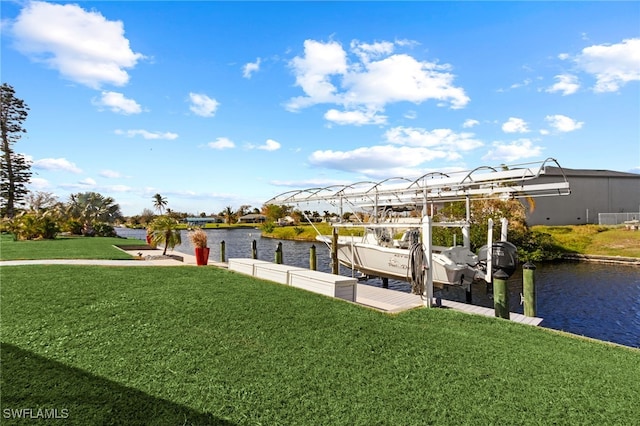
504, 258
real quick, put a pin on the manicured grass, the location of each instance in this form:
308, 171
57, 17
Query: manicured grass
186, 345
64, 248
306, 232
595, 240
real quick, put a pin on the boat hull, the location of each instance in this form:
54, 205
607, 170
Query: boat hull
395, 263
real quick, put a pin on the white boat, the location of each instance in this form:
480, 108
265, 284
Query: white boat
375, 254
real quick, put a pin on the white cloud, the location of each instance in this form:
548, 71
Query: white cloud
366, 51
117, 103
270, 145
221, 143
119, 188
468, 123
515, 125
82, 46
405, 155
250, 68
374, 160
567, 84
87, 182
146, 134
401, 77
445, 140
357, 118
313, 72
524, 83
372, 77
309, 183
612, 65
562, 123
203, 105
411, 115
111, 174
39, 184
56, 165
510, 152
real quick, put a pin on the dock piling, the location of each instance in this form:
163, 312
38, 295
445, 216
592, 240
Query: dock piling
278, 256
529, 289
501, 294
254, 249
334, 252
223, 254
313, 259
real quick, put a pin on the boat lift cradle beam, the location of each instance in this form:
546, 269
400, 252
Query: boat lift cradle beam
477, 184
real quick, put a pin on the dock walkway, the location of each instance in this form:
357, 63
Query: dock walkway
396, 301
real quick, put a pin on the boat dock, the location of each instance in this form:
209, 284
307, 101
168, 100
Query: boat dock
393, 301
382, 299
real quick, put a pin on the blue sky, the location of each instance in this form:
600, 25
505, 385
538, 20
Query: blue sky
216, 104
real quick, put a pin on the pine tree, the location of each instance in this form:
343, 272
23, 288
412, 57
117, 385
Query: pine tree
15, 170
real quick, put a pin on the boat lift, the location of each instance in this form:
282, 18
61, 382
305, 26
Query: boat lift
504, 182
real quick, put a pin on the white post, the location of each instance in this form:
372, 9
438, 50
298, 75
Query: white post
503, 230
488, 276
426, 244
466, 239
353, 265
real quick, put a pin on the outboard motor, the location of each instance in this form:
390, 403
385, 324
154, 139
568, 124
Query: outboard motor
505, 257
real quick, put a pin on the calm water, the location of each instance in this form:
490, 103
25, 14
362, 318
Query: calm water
598, 301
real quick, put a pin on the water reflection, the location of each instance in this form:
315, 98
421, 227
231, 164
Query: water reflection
594, 300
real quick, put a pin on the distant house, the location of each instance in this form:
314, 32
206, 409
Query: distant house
252, 218
287, 220
201, 221
592, 192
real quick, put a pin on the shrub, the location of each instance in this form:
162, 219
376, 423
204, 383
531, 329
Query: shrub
537, 246
33, 226
72, 226
102, 229
198, 238
268, 227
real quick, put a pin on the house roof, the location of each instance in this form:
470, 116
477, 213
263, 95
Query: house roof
252, 216
556, 171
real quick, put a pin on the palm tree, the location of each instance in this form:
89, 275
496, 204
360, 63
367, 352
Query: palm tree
164, 230
91, 207
228, 214
159, 202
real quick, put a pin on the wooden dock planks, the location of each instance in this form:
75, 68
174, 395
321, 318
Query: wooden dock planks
396, 301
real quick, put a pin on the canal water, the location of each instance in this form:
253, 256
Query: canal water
594, 300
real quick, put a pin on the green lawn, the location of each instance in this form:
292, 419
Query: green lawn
595, 240
71, 247
186, 345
